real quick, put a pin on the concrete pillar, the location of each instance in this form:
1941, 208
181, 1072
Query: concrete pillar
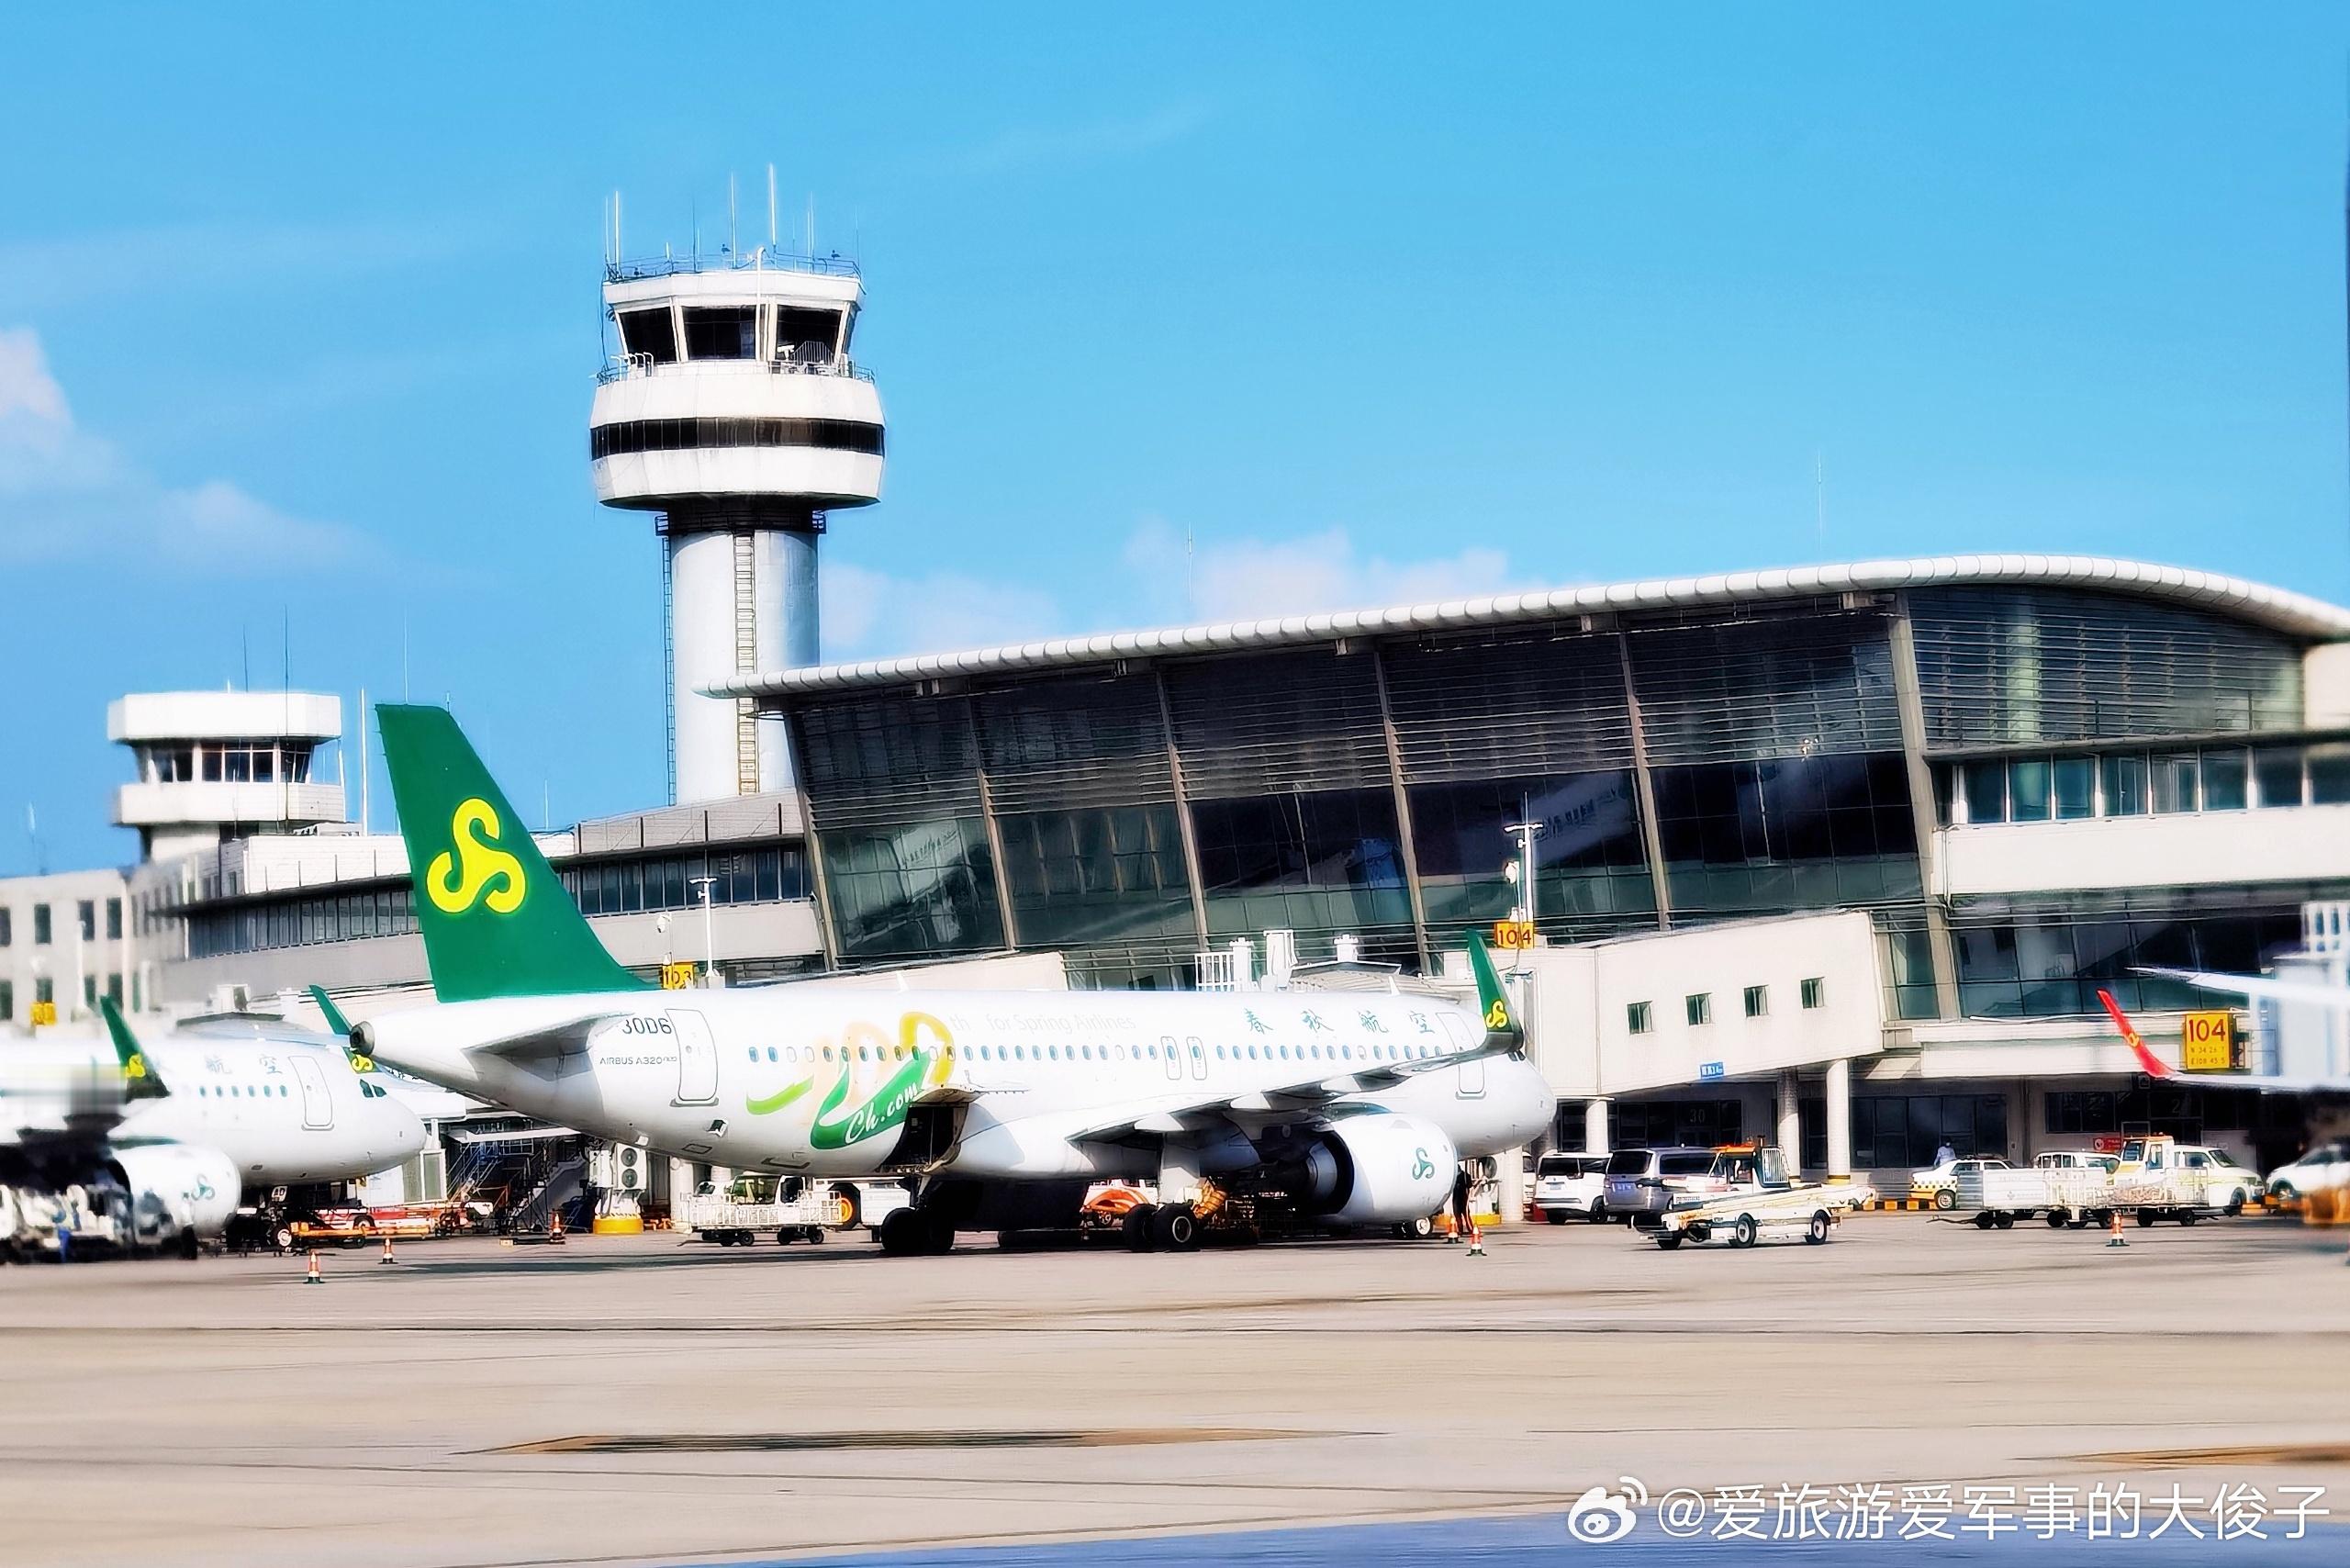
1595, 1127
1839, 1119
1510, 1205
1789, 1135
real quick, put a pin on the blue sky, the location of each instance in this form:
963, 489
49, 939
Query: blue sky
299, 322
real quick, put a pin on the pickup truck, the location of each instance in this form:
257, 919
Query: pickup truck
2155, 1178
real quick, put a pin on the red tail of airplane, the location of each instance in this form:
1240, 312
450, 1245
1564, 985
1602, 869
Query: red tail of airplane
2149, 1063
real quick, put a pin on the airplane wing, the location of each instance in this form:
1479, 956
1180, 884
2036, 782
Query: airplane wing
2154, 1067
2260, 987
1173, 1114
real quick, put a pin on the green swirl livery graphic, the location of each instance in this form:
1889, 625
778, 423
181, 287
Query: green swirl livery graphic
887, 1108
779, 1099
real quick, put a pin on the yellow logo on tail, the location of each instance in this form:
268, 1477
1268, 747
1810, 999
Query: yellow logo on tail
473, 830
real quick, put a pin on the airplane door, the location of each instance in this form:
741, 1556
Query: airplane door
1174, 1061
1199, 1054
318, 1103
697, 1059
1469, 1081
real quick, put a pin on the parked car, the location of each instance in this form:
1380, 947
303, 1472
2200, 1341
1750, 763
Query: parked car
1571, 1186
2323, 1169
1643, 1183
1940, 1182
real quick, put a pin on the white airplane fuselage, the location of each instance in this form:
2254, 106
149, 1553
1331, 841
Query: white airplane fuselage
281, 1111
818, 1081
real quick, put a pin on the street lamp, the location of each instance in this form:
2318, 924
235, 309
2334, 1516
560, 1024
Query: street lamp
1522, 872
709, 941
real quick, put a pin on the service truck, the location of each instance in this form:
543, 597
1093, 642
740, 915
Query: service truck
2154, 1179
2067, 1186
789, 1207
1765, 1200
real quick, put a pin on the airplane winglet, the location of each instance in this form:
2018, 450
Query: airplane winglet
139, 1081
2150, 1064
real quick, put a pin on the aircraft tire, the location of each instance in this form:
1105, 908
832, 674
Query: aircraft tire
1137, 1227
903, 1232
850, 1210
1175, 1229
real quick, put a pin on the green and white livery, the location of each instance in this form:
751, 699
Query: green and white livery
998, 1107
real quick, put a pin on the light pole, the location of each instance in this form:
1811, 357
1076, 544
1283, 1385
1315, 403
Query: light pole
708, 941
1526, 833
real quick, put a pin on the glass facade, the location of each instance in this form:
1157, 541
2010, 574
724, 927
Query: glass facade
1684, 766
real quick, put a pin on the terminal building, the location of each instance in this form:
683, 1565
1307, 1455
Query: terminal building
1841, 855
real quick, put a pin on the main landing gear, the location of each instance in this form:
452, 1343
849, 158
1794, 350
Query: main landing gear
1162, 1227
915, 1231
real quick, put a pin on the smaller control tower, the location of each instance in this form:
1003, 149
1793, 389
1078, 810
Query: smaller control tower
216, 765
731, 409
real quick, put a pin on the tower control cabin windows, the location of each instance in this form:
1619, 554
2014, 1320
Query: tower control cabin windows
651, 332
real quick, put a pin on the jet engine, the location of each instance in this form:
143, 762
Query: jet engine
178, 1192
1381, 1169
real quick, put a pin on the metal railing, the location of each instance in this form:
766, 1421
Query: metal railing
764, 259
632, 365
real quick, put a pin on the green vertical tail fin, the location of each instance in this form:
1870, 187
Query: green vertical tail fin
138, 1080
495, 919
1492, 1001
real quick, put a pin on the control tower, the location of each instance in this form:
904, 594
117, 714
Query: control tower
216, 765
733, 410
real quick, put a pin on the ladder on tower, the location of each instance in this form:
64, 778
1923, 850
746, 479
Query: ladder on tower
747, 661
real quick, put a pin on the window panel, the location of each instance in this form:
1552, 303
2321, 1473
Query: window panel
2075, 780
2028, 789
1986, 791
2276, 774
2125, 786
2223, 780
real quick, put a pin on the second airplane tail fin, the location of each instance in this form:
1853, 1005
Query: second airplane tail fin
2150, 1064
496, 920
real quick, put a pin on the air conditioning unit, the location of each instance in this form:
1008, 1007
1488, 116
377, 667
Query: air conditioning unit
628, 1168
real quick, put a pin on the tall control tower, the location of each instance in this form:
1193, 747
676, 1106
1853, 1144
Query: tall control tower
734, 410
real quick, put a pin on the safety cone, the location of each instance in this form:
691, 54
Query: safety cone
2116, 1239
387, 1256
314, 1277
554, 1226
1476, 1238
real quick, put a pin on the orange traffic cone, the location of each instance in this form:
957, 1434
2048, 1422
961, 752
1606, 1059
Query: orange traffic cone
554, 1226
2116, 1239
387, 1256
314, 1277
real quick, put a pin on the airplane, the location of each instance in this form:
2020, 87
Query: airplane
2154, 1067
429, 1101
998, 1107
198, 1120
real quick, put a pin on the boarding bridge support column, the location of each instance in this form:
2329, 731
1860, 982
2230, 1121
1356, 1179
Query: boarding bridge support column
1509, 1187
1789, 1137
1595, 1127
1839, 1119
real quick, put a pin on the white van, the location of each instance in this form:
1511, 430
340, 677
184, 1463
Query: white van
1571, 1186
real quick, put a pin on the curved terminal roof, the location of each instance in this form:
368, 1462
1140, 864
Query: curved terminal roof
2295, 614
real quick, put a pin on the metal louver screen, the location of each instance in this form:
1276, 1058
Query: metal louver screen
887, 759
1782, 685
1509, 707
1998, 666
1277, 722
1076, 743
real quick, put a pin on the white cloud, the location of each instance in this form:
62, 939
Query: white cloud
1239, 579
68, 494
868, 614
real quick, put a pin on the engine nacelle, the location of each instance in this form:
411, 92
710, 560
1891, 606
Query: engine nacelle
1379, 1169
178, 1192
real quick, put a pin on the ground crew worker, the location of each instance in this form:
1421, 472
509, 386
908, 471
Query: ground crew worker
1464, 1223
